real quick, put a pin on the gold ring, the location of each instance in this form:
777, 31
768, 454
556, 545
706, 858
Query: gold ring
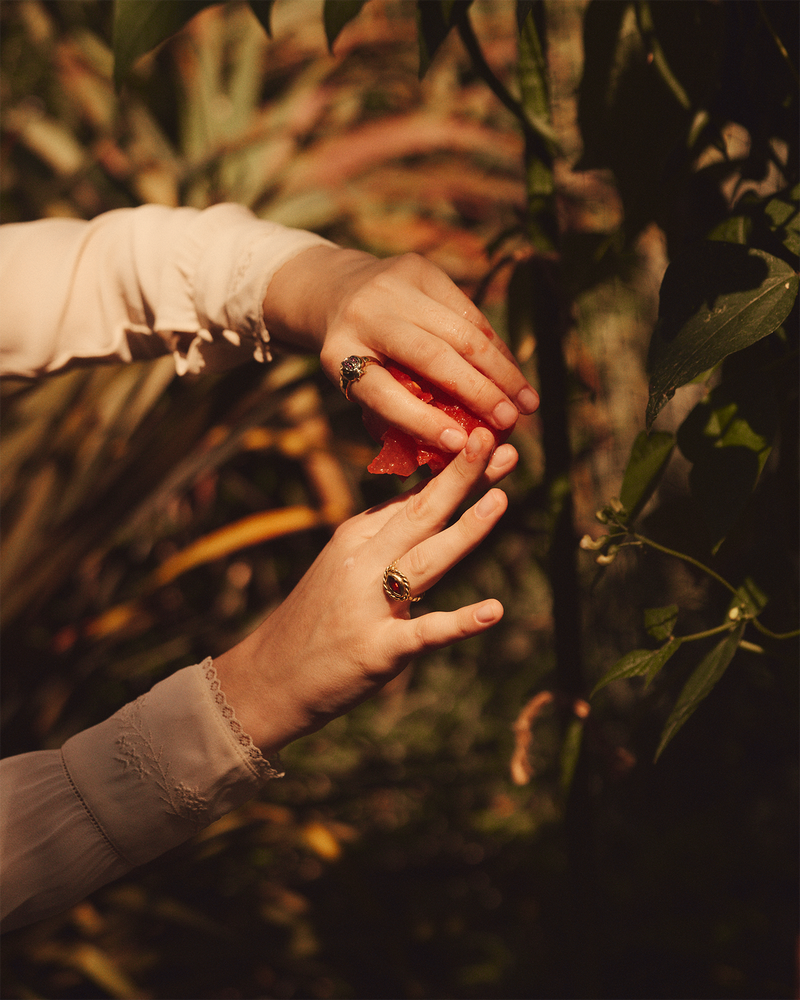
351, 370
396, 585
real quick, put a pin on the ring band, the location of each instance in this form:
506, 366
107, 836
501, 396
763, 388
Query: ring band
351, 370
396, 585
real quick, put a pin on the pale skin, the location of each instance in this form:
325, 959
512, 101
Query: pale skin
338, 638
343, 302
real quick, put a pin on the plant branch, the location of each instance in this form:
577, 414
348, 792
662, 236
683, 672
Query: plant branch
778, 43
644, 19
539, 134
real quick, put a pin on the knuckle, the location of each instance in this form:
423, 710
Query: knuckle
418, 565
418, 506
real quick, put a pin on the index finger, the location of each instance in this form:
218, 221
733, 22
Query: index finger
427, 511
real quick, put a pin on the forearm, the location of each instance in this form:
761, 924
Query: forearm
139, 282
121, 793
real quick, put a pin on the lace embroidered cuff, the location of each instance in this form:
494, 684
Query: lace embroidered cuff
165, 765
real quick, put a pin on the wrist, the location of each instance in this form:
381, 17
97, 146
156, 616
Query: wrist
304, 293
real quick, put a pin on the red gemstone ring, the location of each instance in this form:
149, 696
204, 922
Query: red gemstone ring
396, 585
351, 370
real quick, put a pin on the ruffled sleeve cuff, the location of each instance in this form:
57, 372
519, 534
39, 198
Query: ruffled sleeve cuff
216, 284
165, 765
136, 283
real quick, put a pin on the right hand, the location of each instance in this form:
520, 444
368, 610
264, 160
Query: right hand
402, 309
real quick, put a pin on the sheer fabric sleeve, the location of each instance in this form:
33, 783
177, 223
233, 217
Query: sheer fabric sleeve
121, 793
134, 283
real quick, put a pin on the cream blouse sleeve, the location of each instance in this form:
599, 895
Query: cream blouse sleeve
132, 283
121, 793
135, 283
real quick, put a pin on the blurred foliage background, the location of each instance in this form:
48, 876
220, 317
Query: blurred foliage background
149, 521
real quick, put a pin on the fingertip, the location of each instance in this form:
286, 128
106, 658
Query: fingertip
490, 503
453, 439
528, 400
478, 442
504, 415
489, 612
504, 459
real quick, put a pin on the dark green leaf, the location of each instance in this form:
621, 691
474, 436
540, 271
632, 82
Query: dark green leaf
263, 11
570, 752
639, 663
648, 460
141, 25
750, 597
435, 18
783, 212
337, 14
700, 684
733, 229
728, 437
716, 298
524, 8
660, 622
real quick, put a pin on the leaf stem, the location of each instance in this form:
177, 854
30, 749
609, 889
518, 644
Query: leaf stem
690, 559
775, 635
726, 627
641, 539
644, 19
778, 42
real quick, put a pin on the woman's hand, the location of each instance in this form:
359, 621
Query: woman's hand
338, 638
405, 309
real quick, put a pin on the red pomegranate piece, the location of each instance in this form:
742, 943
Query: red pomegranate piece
403, 454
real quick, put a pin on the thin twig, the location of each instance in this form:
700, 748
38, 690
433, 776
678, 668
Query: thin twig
779, 44
689, 559
539, 134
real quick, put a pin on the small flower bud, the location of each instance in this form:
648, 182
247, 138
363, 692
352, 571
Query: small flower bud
589, 544
609, 557
601, 516
616, 505
735, 614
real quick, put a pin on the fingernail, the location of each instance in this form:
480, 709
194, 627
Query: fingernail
501, 458
453, 439
486, 505
486, 613
474, 446
528, 400
505, 414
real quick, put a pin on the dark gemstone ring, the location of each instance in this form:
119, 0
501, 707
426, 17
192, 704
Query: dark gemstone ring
351, 370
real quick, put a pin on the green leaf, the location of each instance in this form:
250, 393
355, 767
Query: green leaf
649, 456
700, 684
733, 229
728, 437
570, 752
716, 298
435, 18
263, 11
337, 14
660, 622
524, 8
639, 663
783, 212
141, 25
750, 597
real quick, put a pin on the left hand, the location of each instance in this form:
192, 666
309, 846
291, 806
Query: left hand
403, 309
338, 638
